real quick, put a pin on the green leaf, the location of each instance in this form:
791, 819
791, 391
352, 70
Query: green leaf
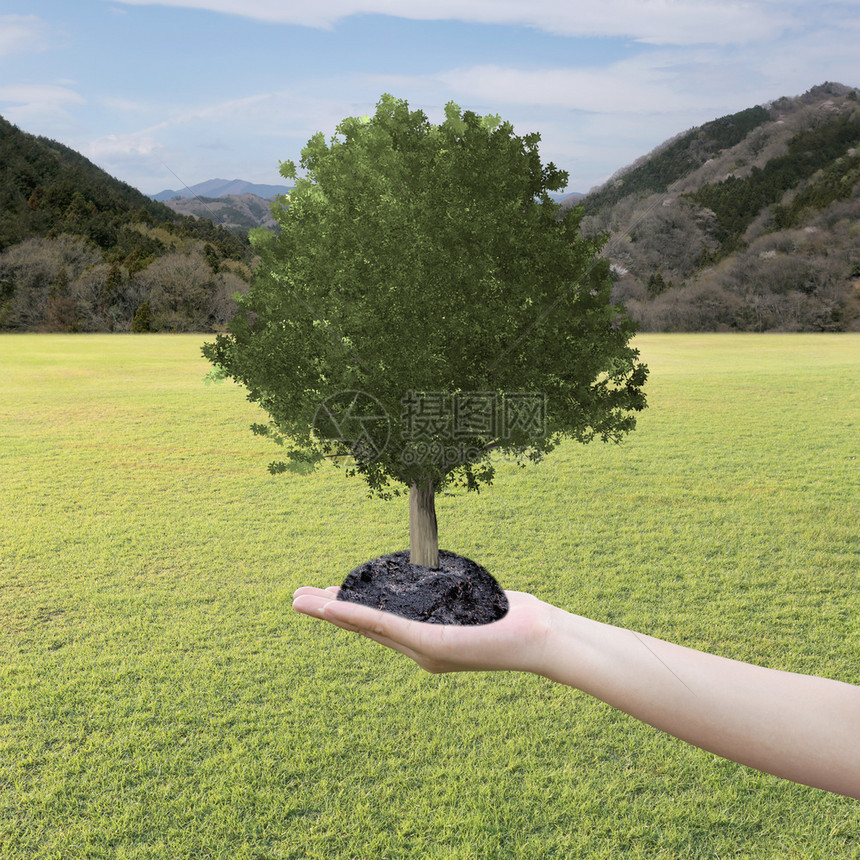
296, 468
216, 376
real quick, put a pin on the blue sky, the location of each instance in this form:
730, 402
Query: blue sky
230, 88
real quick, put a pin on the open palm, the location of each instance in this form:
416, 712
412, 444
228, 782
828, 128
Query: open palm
514, 642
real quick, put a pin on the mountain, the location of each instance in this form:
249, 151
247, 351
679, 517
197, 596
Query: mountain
241, 212
83, 251
235, 212
222, 188
567, 198
745, 223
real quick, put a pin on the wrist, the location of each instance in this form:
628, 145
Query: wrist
571, 649
554, 644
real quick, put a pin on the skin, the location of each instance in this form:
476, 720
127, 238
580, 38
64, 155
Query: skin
799, 727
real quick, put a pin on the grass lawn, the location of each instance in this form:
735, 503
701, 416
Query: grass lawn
160, 699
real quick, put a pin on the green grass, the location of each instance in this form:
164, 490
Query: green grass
160, 699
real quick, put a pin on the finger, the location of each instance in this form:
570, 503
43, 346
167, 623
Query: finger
312, 603
380, 640
319, 592
373, 622
321, 604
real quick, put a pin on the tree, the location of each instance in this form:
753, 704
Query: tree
424, 304
35, 275
656, 284
142, 318
179, 287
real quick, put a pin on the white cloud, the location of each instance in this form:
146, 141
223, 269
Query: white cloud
197, 142
38, 105
113, 147
656, 83
196, 126
659, 22
629, 87
21, 34
659, 81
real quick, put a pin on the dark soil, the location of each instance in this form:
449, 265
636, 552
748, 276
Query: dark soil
459, 591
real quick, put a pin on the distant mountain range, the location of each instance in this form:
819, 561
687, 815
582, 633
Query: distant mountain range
235, 187
569, 198
240, 206
223, 188
238, 213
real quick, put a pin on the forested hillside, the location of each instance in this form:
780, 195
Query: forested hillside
749, 223
82, 251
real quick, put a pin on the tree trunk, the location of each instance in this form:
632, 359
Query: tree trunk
423, 532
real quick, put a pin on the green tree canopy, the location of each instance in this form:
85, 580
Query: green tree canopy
417, 262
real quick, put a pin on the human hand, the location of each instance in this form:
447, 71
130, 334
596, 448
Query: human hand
515, 642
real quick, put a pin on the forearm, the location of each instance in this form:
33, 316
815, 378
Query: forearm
799, 727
